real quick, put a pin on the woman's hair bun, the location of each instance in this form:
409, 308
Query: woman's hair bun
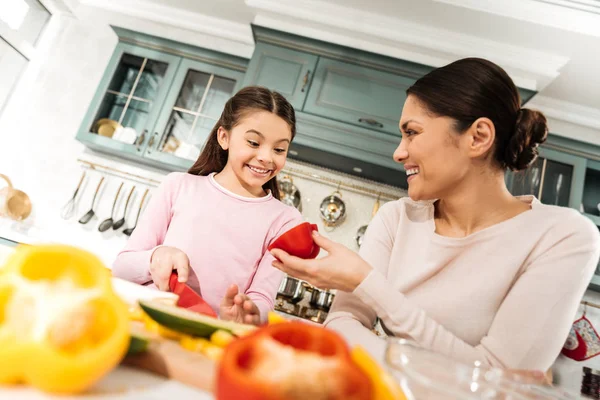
531, 130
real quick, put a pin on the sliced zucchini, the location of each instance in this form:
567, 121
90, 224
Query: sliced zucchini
186, 321
140, 338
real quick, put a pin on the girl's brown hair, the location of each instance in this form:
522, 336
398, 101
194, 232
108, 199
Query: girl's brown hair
252, 98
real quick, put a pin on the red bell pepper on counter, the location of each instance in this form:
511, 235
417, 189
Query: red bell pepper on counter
291, 361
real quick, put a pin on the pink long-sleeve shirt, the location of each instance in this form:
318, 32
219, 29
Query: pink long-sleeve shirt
224, 235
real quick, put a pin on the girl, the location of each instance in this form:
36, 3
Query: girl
214, 223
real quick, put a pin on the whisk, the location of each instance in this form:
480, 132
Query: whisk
70, 208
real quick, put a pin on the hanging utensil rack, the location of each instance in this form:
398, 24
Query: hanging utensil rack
587, 303
353, 187
118, 173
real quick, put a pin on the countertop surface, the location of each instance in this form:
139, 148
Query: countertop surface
123, 383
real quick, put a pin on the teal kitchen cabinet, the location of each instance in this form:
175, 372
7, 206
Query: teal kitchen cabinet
128, 100
358, 95
158, 99
555, 178
284, 70
192, 107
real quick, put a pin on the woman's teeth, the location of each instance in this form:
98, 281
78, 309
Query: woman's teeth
412, 171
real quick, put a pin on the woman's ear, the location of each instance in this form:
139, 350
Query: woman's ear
223, 138
482, 137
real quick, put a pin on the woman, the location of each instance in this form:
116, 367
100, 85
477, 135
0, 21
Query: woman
461, 266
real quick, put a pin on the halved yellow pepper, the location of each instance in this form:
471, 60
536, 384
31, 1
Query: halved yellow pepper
61, 325
384, 386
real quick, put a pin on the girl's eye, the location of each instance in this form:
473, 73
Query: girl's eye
252, 143
279, 151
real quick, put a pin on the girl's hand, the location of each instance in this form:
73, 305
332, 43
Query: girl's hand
341, 269
238, 307
164, 260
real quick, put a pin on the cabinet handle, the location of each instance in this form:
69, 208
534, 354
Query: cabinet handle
140, 140
305, 81
151, 142
371, 122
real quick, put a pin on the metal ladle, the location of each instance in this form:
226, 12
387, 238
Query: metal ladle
129, 231
88, 215
121, 222
108, 222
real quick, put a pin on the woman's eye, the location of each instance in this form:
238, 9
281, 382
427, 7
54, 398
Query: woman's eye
410, 132
252, 143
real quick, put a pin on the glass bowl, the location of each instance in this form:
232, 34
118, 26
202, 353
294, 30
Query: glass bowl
424, 374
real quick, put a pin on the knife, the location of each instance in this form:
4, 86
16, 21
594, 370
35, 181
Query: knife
188, 298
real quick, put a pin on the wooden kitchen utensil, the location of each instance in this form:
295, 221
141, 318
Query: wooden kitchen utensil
108, 222
121, 222
90, 214
14, 203
129, 231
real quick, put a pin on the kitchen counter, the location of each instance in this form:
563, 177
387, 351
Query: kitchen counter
123, 383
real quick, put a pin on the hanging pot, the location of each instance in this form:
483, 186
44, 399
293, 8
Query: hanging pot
291, 289
289, 193
361, 231
321, 299
14, 203
333, 210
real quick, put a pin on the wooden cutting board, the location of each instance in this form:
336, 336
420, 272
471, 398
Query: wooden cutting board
167, 358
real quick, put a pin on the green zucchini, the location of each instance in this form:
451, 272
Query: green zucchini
139, 339
190, 322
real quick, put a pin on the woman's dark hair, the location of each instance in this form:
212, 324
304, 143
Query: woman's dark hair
252, 98
471, 88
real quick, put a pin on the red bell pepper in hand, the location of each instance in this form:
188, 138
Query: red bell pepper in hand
291, 361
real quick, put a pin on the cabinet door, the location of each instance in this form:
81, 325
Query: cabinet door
357, 95
193, 106
286, 71
128, 100
555, 178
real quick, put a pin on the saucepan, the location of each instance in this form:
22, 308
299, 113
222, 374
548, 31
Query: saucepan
321, 299
291, 289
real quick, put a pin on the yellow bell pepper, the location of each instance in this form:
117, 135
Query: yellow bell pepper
274, 318
384, 386
62, 327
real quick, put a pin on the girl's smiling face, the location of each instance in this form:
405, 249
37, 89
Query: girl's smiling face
257, 148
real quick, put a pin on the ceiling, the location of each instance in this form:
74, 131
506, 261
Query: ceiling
559, 37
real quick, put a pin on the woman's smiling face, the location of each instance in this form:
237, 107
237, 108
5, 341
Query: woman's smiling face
432, 152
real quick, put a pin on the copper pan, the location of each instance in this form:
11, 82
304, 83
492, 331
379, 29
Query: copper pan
14, 203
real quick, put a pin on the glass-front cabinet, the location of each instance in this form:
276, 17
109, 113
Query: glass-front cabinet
129, 99
192, 108
157, 103
552, 178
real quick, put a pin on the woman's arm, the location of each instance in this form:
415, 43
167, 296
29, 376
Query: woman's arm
532, 322
133, 262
